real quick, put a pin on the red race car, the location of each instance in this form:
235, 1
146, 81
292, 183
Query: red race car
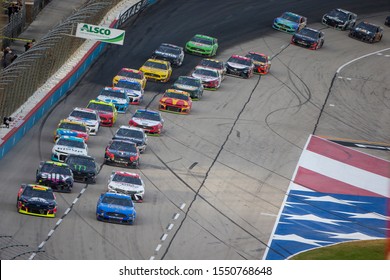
261, 61
176, 101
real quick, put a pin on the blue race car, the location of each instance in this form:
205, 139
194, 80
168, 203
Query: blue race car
117, 96
115, 208
289, 22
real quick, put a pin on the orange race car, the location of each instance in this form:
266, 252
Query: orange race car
176, 101
261, 61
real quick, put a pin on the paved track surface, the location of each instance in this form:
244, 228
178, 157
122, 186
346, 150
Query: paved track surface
215, 179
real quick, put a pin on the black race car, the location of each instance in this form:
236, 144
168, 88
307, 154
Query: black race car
240, 66
309, 38
172, 53
387, 21
367, 32
56, 175
84, 168
133, 134
36, 200
122, 152
339, 19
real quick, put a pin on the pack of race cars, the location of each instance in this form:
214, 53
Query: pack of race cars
70, 161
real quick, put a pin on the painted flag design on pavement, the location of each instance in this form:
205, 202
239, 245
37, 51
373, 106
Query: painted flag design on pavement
337, 194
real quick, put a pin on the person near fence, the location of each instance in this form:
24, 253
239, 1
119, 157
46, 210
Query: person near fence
11, 10
9, 57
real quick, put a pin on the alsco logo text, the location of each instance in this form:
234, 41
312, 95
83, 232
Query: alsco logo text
96, 30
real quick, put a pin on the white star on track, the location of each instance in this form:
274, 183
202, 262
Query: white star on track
370, 215
350, 236
314, 218
300, 239
328, 198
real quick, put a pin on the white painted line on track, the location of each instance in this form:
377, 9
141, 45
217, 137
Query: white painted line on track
83, 190
41, 245
356, 59
59, 222
176, 216
182, 206
151, 258
349, 79
170, 226
164, 237
158, 247
67, 211
74, 201
50, 232
32, 256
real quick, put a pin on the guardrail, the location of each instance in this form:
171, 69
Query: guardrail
29, 71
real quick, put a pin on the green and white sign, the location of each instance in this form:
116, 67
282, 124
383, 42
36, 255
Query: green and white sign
100, 33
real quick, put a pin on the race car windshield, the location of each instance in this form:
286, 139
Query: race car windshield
176, 95
188, 81
147, 115
74, 160
71, 143
131, 133
291, 17
309, 33
257, 57
73, 126
83, 115
129, 74
128, 85
100, 107
338, 14
206, 72
241, 61
52, 168
117, 201
201, 40
367, 27
156, 65
113, 93
167, 49
123, 146
127, 179
31, 192
211, 63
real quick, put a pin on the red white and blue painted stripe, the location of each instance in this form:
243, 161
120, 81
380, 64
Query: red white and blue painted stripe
337, 194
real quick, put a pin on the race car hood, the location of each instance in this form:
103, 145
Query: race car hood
154, 70
122, 153
304, 38
105, 114
237, 66
165, 54
126, 186
54, 177
67, 132
82, 168
145, 122
174, 101
38, 201
132, 92
185, 87
334, 19
286, 22
362, 31
115, 100
116, 208
86, 121
69, 150
134, 140
204, 78
200, 45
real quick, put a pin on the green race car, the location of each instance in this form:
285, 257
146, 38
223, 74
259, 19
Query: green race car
202, 45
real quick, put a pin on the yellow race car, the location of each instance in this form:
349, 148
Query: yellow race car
157, 70
128, 73
176, 101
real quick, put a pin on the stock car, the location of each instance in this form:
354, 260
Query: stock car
308, 38
289, 22
66, 145
84, 168
36, 200
262, 62
88, 117
190, 84
122, 152
71, 128
210, 78
106, 110
150, 121
133, 134
56, 175
128, 73
202, 45
115, 95
157, 70
133, 89
367, 32
127, 183
116, 208
214, 64
339, 19
387, 21
172, 53
175, 101
239, 65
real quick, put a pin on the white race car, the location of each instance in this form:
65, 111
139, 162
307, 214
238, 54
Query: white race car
133, 89
211, 78
87, 116
127, 183
66, 145
116, 95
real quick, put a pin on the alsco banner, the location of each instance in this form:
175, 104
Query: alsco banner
100, 33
